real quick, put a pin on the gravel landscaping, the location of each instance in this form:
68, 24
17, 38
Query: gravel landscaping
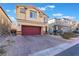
25, 45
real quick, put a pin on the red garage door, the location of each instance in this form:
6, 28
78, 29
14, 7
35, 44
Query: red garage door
31, 30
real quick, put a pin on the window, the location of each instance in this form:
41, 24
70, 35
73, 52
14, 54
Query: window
22, 10
33, 14
45, 19
40, 15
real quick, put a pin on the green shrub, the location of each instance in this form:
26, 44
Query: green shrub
68, 35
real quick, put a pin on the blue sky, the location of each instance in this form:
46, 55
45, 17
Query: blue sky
53, 10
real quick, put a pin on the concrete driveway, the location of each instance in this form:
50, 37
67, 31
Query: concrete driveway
2, 38
25, 45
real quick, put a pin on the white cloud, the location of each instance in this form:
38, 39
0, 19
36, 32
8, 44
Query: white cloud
8, 10
70, 17
51, 6
58, 14
12, 18
42, 8
48, 6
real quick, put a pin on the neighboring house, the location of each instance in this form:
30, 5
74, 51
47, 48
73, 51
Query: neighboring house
14, 28
51, 25
73, 25
78, 25
5, 22
64, 24
31, 21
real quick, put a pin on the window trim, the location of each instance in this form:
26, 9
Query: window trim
22, 10
33, 15
40, 14
45, 19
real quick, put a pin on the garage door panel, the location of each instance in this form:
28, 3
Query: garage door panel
31, 30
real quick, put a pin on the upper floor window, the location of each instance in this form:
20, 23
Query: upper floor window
45, 19
33, 14
40, 14
22, 10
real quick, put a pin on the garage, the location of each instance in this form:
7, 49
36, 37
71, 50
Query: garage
31, 30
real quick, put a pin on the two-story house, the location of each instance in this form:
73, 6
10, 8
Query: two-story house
31, 21
55, 24
5, 22
64, 24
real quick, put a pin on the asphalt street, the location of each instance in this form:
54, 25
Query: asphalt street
73, 51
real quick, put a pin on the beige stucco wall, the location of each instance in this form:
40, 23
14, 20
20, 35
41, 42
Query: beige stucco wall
26, 15
14, 26
19, 26
4, 21
22, 19
4, 17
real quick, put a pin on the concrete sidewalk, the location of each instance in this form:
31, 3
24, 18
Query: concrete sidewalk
57, 49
